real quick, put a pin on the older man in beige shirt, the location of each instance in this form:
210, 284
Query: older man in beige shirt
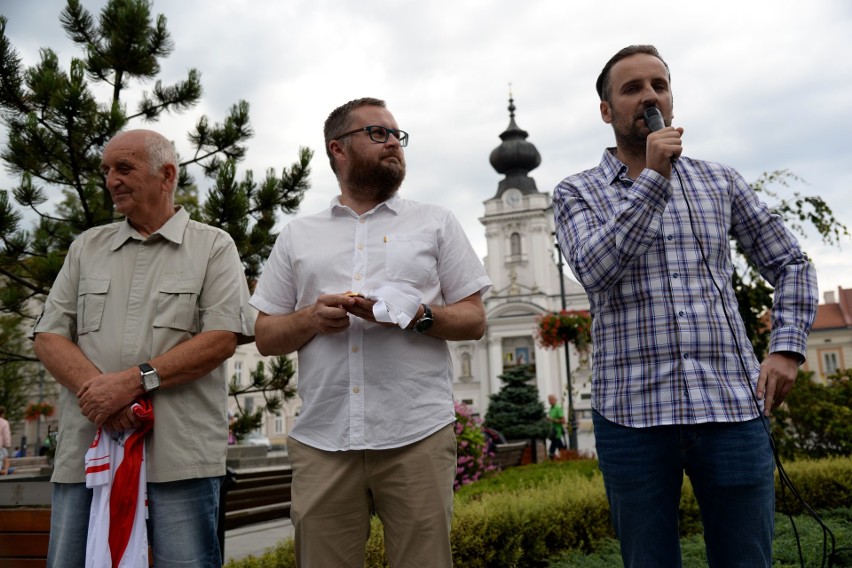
152, 305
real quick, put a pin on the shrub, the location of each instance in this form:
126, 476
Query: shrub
824, 484
473, 457
526, 515
815, 421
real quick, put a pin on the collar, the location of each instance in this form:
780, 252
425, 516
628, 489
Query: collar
611, 167
172, 231
393, 204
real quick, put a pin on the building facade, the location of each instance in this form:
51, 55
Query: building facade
525, 267
830, 341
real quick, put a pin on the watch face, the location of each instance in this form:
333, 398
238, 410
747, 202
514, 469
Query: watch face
425, 321
150, 380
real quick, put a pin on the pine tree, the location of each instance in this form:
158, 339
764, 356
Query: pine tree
516, 411
15, 382
57, 130
275, 387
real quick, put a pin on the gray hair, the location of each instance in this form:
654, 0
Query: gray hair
161, 151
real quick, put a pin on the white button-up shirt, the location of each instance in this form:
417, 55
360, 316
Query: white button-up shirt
371, 387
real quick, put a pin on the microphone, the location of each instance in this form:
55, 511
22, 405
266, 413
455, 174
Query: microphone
653, 119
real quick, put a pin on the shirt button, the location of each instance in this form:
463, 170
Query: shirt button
674, 275
669, 238
686, 355
357, 277
360, 246
681, 313
362, 220
356, 390
354, 349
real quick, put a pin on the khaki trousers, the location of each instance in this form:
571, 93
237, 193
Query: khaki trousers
409, 488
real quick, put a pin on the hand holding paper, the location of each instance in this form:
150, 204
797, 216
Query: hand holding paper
395, 303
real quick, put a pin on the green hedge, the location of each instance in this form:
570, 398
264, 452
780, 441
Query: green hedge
527, 514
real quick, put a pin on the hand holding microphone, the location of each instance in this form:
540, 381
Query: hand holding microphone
664, 144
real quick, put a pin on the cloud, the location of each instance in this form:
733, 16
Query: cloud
760, 85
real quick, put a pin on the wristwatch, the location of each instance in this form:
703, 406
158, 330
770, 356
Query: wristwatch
150, 378
425, 322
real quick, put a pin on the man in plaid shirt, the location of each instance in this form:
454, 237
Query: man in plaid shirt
677, 386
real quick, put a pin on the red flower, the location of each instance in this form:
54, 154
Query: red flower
36, 409
556, 328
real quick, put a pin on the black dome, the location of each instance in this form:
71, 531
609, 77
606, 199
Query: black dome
515, 157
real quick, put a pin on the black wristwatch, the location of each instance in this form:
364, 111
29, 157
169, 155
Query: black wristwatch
425, 322
150, 378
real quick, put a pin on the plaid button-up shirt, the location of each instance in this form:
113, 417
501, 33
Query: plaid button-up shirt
669, 346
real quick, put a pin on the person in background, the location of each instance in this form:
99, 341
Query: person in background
556, 417
232, 420
368, 292
676, 384
149, 306
5, 441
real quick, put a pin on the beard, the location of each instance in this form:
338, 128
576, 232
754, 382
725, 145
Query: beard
629, 135
376, 181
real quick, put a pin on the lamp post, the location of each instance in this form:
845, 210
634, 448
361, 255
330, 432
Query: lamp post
572, 418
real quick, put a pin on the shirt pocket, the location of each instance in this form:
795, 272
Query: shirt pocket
91, 298
177, 304
411, 258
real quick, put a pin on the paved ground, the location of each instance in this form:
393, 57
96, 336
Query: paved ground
255, 539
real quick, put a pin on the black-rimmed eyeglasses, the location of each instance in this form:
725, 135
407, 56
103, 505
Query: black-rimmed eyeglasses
380, 134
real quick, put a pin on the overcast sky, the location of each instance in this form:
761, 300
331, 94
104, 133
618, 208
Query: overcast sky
760, 85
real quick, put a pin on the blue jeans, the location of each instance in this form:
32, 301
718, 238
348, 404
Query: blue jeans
182, 522
730, 466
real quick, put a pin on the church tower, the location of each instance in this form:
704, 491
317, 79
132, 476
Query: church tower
522, 264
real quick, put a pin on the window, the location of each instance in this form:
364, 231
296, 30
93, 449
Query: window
830, 362
465, 365
249, 404
238, 372
279, 423
518, 351
515, 244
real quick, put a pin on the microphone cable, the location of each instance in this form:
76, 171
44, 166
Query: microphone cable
784, 479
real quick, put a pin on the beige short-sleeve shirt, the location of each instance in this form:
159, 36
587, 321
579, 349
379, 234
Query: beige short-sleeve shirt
124, 299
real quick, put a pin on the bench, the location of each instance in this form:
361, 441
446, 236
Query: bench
32, 465
249, 495
253, 495
509, 454
24, 520
257, 494
24, 534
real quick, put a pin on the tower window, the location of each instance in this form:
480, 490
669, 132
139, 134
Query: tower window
515, 244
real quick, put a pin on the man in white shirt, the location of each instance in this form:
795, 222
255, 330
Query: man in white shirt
375, 376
